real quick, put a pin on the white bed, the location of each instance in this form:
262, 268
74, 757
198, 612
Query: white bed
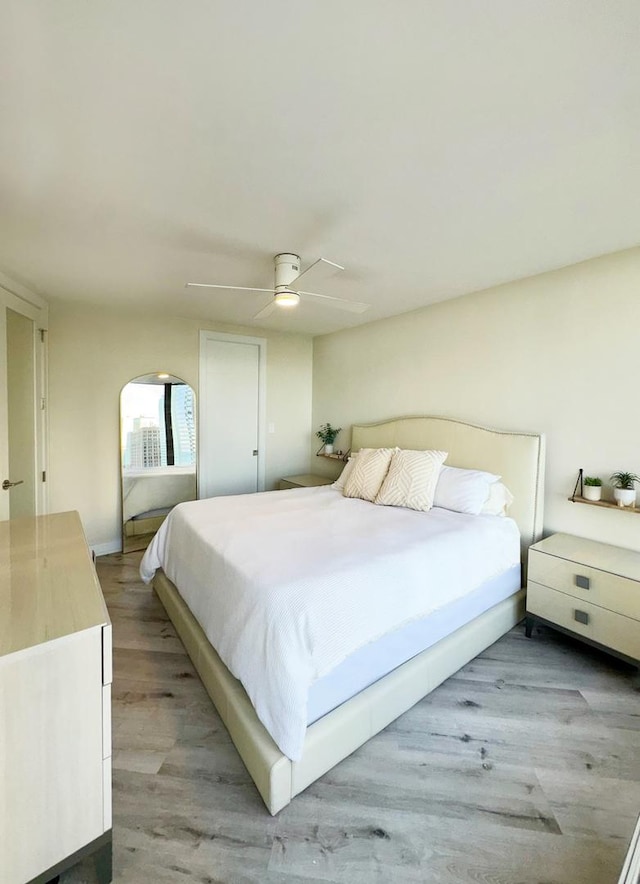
282, 583
287, 585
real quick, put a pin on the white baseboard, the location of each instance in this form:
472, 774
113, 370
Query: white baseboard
103, 549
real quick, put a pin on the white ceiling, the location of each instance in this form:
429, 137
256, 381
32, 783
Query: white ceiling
434, 148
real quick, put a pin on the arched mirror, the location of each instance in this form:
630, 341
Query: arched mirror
157, 453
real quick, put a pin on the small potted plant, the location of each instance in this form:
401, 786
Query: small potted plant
592, 488
327, 434
624, 488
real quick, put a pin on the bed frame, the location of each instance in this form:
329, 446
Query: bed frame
519, 459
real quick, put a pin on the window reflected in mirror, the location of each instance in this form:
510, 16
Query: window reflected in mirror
157, 453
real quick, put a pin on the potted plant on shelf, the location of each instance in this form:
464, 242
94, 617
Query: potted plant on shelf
624, 488
327, 434
592, 488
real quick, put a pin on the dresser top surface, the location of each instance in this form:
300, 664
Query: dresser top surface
48, 584
614, 559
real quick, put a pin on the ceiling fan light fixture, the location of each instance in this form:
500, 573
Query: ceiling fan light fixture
287, 298
287, 274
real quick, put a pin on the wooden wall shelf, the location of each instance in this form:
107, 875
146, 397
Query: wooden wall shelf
607, 504
344, 456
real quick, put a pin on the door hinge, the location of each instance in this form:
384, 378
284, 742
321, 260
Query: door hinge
44, 475
43, 404
42, 334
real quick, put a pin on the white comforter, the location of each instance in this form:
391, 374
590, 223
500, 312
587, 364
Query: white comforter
286, 584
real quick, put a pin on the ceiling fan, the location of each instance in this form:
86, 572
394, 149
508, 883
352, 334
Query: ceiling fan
286, 290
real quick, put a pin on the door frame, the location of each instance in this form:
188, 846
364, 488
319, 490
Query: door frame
20, 299
261, 343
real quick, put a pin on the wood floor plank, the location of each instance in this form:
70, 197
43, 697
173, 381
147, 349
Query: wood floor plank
524, 768
582, 804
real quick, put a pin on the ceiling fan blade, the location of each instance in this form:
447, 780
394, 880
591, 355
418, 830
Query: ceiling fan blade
338, 303
319, 270
237, 288
266, 311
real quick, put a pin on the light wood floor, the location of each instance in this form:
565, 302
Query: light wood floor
524, 768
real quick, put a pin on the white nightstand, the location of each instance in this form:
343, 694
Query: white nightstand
307, 480
590, 590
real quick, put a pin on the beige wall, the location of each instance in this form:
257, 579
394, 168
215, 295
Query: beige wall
556, 353
94, 352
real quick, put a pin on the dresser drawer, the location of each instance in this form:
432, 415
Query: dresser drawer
619, 594
107, 809
612, 630
106, 721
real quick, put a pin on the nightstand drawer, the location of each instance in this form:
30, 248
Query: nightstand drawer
586, 584
585, 619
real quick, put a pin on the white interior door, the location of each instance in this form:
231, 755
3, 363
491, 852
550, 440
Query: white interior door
21, 414
231, 409
22, 397
4, 415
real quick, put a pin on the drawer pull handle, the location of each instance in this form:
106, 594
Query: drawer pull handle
581, 617
582, 581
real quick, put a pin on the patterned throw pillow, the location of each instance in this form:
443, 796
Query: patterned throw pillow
368, 473
411, 480
341, 481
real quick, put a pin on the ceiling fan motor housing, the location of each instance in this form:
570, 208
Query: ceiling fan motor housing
287, 269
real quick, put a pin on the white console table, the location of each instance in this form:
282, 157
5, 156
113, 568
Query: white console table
55, 702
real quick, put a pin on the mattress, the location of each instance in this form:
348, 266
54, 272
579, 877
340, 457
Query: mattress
287, 585
377, 659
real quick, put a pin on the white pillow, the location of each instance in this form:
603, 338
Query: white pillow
499, 500
346, 472
411, 480
463, 491
368, 473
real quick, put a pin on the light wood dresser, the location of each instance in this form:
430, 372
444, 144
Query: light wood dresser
55, 702
588, 589
630, 873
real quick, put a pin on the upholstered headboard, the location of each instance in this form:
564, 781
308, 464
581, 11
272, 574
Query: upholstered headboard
517, 457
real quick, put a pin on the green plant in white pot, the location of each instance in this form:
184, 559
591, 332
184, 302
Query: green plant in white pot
327, 434
592, 488
624, 489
